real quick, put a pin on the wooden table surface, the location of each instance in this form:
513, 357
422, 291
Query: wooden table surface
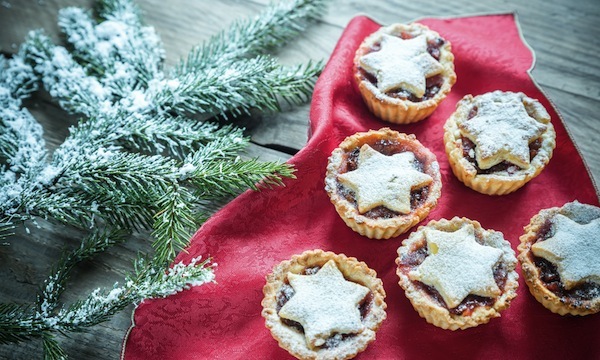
563, 33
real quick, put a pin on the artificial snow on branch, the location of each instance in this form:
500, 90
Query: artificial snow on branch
139, 158
46, 317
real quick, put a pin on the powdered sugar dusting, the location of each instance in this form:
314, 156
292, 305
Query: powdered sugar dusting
457, 265
502, 129
325, 304
401, 64
384, 180
574, 248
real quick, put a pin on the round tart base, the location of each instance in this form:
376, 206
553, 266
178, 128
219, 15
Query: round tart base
433, 310
540, 224
381, 228
396, 110
353, 270
501, 182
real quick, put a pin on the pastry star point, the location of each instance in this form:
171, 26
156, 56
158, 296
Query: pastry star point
458, 265
401, 64
381, 180
574, 249
325, 304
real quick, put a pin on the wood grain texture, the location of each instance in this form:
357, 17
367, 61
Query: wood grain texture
563, 33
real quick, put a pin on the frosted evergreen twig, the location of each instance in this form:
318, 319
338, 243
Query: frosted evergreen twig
119, 48
271, 29
257, 83
138, 157
63, 77
54, 285
149, 280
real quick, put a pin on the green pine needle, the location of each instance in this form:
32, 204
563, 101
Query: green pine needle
174, 223
232, 177
52, 350
16, 324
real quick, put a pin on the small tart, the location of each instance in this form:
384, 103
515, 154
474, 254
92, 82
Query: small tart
382, 182
456, 274
559, 254
498, 141
404, 71
321, 305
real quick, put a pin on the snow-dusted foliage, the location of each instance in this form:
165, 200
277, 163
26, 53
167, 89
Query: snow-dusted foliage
138, 157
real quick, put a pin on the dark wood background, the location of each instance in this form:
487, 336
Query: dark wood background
563, 33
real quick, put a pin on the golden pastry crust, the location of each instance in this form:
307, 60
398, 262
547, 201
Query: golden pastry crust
430, 305
503, 181
540, 227
380, 227
291, 338
395, 109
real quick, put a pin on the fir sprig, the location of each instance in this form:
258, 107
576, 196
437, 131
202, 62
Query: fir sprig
271, 29
138, 158
65, 79
257, 83
231, 177
120, 49
44, 320
54, 285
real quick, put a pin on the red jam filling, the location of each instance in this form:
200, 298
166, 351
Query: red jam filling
388, 148
510, 168
550, 278
414, 258
286, 292
433, 84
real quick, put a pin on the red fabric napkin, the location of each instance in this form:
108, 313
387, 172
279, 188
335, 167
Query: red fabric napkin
259, 229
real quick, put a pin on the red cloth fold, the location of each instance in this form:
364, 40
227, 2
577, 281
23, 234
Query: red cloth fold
259, 229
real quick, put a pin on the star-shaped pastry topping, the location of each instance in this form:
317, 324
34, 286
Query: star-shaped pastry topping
325, 304
502, 131
458, 265
574, 249
384, 180
401, 64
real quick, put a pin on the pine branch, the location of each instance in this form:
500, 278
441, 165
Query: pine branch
17, 76
16, 323
62, 76
142, 47
174, 224
147, 133
232, 177
22, 146
54, 286
256, 83
274, 27
119, 49
137, 159
19, 323
52, 350
121, 188
78, 26
63, 208
125, 10
149, 281
294, 84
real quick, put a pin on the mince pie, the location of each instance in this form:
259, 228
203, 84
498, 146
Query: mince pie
498, 141
559, 255
382, 182
404, 71
456, 274
320, 305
